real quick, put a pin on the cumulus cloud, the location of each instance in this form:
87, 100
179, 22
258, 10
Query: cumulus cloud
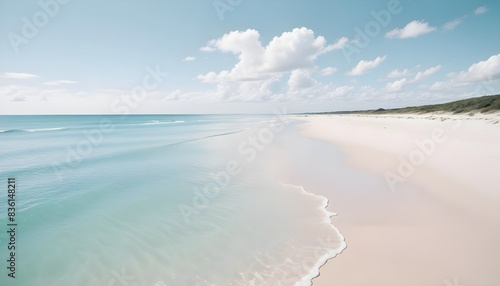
255, 91
301, 79
401, 83
340, 92
396, 85
297, 49
411, 30
364, 66
440, 85
18, 75
480, 10
396, 73
18, 92
207, 49
280, 70
484, 70
340, 44
426, 73
59, 82
328, 71
189, 59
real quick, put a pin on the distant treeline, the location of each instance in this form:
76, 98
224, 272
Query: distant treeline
481, 104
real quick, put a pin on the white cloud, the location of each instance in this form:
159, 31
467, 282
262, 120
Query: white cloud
188, 59
396, 85
283, 69
297, 49
411, 30
482, 73
301, 79
480, 10
340, 91
426, 73
396, 73
364, 66
452, 24
401, 83
328, 71
20, 92
59, 82
207, 49
440, 85
248, 91
484, 70
340, 44
174, 95
18, 75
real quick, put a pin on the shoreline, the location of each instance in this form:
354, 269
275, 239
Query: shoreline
439, 189
315, 272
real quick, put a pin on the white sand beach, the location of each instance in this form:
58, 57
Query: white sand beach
433, 217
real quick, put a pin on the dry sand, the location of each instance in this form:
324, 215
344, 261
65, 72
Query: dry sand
436, 218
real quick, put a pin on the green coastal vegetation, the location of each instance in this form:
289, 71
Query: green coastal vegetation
483, 104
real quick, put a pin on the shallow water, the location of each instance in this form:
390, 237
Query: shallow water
157, 200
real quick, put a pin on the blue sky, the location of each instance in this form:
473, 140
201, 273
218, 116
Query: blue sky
243, 56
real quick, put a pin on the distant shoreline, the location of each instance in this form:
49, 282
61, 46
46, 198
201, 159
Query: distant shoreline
483, 104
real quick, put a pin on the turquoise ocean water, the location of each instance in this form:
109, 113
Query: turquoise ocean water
157, 200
